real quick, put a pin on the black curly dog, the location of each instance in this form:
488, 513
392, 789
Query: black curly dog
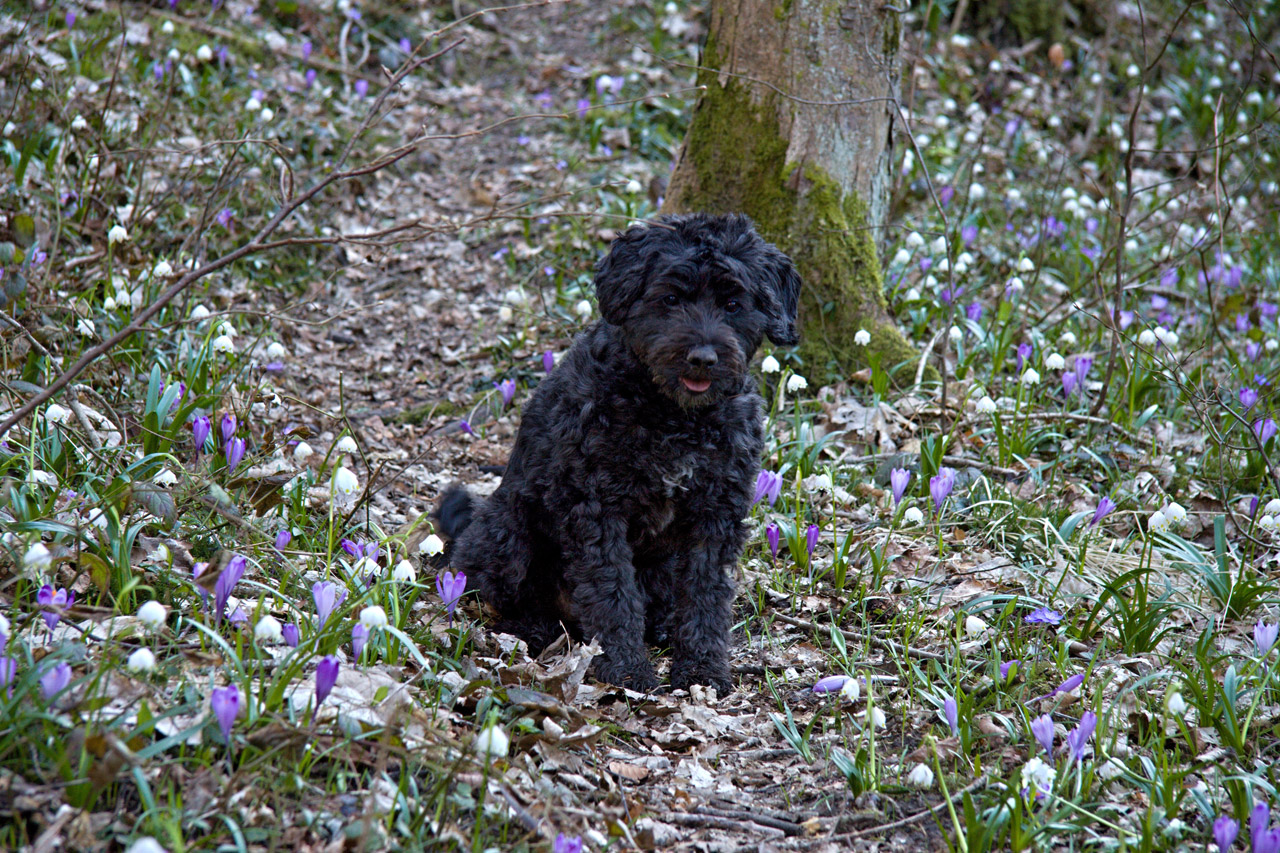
620, 514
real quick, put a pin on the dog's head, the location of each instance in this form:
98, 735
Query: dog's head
695, 295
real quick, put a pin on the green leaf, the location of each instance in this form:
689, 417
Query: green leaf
24, 229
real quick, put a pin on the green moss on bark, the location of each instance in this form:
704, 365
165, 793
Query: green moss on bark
735, 159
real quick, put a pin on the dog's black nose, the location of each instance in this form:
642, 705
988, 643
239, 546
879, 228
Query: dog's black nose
703, 356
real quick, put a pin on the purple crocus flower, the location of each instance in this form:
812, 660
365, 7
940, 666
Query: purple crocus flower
228, 426
951, 710
898, 480
1069, 384
1248, 397
1253, 350
565, 844
8, 672
1065, 687
359, 636
327, 596
1006, 666
945, 194
466, 427
70, 18
289, 631
1260, 832
225, 216
768, 487
1024, 352
1264, 429
310, 77
811, 535
548, 361
1264, 636
973, 311
1042, 728
1077, 739
234, 452
1082, 366
1225, 830
450, 588
1104, 506
354, 550
225, 702
947, 295
406, 46
307, 47
326, 677
226, 582
940, 485
968, 234
200, 429
283, 538
831, 684
55, 604
55, 680
507, 388
773, 534
583, 106
362, 87
1043, 616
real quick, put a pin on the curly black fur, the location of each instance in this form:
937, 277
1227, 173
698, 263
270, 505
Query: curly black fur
620, 514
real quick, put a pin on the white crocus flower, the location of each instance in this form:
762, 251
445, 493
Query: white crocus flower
79, 125
902, 257
252, 105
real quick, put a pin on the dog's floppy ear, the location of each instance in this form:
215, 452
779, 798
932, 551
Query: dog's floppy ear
620, 275
782, 285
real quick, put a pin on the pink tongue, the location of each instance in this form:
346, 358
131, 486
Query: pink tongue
697, 386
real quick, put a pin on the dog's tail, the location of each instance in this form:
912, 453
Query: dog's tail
453, 514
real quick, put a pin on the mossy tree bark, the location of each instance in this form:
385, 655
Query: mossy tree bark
794, 128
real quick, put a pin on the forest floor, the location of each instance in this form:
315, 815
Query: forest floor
1103, 554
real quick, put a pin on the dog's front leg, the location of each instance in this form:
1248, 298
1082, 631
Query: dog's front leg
609, 601
700, 647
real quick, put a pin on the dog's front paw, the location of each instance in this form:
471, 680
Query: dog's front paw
687, 673
636, 675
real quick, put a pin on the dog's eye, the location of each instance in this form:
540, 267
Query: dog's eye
671, 299
733, 306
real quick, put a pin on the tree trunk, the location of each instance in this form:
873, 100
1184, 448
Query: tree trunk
794, 129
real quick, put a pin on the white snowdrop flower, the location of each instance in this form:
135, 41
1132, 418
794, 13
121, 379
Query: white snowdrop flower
404, 572
301, 452
10, 128
931, 282
56, 414
939, 246
1272, 345
986, 406
266, 115
37, 477
971, 137
1147, 338
941, 122
583, 309
492, 742
851, 690
1162, 335
85, 327
1158, 523
431, 546
965, 258
912, 295
276, 351
173, 55
97, 518
634, 187
1067, 340
4, 625
875, 717
366, 567
909, 159
914, 240
1015, 285
1026, 265
268, 630
162, 270
223, 343
153, 614
956, 334
109, 304
167, 29
1133, 70
345, 482
1254, 98
1030, 376
141, 661
1054, 362
346, 444
204, 53
226, 327
117, 234
995, 66
920, 777
165, 478
1175, 514
199, 313
817, 483
902, 258
913, 515
1131, 245
1037, 776
1054, 121
252, 105
37, 85
770, 365
1176, 704
862, 337
1095, 78
373, 617
975, 626
1272, 507
38, 558
977, 192
942, 265
1268, 523
796, 382
79, 125
505, 315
